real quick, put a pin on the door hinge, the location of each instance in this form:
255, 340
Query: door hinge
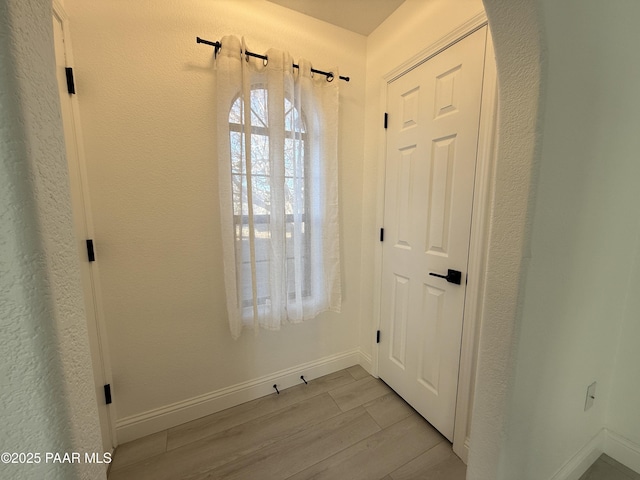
382, 234
71, 84
91, 254
386, 120
378, 336
107, 394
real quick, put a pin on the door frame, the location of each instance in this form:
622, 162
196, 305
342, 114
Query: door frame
79, 191
482, 203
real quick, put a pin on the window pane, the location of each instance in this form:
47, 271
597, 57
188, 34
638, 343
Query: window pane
304, 262
239, 189
260, 192
294, 202
262, 241
293, 149
237, 145
292, 118
260, 155
262, 269
259, 108
288, 196
235, 115
261, 195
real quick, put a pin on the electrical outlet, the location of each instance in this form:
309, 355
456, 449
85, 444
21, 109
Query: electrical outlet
591, 396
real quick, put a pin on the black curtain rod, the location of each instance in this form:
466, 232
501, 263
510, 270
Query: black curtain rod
217, 45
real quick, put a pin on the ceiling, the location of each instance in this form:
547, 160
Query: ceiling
360, 16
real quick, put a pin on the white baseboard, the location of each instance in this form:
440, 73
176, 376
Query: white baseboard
606, 441
581, 461
158, 419
622, 450
366, 362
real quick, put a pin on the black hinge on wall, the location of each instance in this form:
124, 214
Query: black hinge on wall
71, 84
91, 254
107, 393
386, 120
382, 234
378, 336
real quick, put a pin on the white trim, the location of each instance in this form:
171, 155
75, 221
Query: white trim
476, 267
366, 361
622, 450
158, 419
482, 205
605, 441
377, 267
80, 195
583, 459
470, 26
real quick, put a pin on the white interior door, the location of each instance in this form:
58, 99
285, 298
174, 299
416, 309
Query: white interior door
81, 220
432, 136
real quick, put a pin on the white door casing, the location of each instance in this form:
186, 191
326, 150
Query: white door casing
83, 228
432, 142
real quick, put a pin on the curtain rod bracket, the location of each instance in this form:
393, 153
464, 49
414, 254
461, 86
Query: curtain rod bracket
216, 45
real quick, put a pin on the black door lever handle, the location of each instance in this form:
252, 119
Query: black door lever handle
452, 276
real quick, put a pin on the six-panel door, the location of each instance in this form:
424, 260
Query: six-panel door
432, 136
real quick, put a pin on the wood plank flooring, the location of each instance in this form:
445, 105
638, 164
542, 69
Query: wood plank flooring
347, 425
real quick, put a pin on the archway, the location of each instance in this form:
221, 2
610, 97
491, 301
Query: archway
515, 27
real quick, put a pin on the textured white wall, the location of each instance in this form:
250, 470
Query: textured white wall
47, 403
146, 93
617, 130
623, 414
515, 27
584, 231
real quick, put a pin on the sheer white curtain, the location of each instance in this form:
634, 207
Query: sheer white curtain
277, 136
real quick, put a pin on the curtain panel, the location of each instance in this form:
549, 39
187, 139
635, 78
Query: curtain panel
277, 142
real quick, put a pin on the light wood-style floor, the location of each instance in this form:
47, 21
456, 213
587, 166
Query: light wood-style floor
606, 468
343, 426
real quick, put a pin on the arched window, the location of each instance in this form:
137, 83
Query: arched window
270, 197
277, 149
